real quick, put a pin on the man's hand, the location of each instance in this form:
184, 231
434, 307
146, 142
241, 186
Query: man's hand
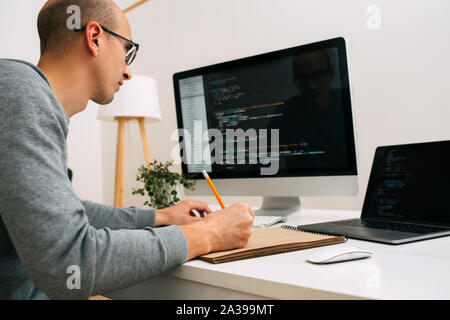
181, 213
227, 229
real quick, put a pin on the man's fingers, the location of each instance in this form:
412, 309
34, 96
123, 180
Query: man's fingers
245, 207
200, 206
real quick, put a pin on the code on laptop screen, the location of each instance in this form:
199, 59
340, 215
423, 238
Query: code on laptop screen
410, 182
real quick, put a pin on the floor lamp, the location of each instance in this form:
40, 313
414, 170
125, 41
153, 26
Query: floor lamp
137, 100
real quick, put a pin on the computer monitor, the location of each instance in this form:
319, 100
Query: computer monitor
277, 125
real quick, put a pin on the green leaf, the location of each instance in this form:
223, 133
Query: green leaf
160, 183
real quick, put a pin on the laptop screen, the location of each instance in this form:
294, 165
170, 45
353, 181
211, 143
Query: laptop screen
410, 183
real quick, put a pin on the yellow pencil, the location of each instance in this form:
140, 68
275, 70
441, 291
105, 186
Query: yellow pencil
208, 179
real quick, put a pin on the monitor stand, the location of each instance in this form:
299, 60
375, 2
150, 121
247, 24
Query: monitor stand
278, 206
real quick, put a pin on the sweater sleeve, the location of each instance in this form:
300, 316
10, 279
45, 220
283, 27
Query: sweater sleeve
101, 216
47, 222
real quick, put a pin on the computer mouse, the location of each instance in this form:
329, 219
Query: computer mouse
338, 253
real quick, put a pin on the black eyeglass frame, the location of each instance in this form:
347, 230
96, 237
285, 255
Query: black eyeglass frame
133, 44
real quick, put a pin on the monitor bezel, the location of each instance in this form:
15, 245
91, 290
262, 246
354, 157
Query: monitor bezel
338, 43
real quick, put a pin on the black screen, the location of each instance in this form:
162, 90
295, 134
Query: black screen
303, 92
410, 182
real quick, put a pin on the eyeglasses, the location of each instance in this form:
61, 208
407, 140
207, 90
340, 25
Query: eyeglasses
132, 48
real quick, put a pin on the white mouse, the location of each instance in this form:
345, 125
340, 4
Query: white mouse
337, 253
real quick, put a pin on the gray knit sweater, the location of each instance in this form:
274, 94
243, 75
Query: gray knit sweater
52, 244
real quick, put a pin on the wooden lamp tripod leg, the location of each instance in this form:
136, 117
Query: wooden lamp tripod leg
144, 140
119, 194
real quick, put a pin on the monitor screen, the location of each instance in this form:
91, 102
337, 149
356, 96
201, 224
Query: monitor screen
284, 114
410, 182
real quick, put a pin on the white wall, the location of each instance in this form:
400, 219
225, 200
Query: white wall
399, 73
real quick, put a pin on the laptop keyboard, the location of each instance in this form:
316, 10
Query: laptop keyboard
402, 227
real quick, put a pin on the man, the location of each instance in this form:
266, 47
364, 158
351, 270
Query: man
48, 236
315, 118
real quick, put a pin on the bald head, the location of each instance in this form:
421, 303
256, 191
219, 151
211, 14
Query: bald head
311, 61
53, 29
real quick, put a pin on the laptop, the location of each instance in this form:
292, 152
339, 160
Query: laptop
407, 197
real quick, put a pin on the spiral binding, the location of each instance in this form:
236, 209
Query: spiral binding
298, 228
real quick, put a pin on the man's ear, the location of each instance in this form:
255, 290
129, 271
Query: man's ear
92, 36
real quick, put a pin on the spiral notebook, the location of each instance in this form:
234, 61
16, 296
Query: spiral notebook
275, 240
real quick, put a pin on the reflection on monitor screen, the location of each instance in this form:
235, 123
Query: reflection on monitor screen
280, 114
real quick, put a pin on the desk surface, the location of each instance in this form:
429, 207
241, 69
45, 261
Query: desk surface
418, 270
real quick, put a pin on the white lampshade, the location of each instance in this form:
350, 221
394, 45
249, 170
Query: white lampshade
137, 97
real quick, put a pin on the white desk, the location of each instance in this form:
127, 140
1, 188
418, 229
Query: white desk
419, 270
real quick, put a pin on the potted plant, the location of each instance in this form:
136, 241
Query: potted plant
161, 184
